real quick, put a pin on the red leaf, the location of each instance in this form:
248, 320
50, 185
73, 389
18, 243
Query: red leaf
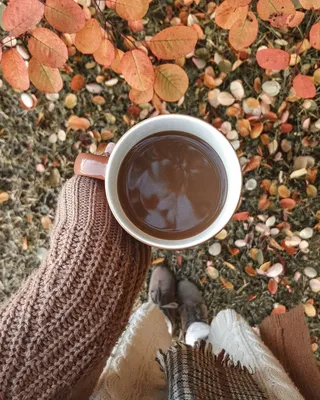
242, 216
89, 38
44, 78
304, 87
64, 15
243, 33
105, 54
48, 48
274, 59
137, 70
279, 310
15, 70
21, 15
315, 36
272, 286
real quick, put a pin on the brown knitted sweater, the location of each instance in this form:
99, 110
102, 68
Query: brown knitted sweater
68, 315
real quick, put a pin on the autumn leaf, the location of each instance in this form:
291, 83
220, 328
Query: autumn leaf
15, 70
171, 82
304, 87
136, 26
89, 38
242, 216
250, 271
315, 36
296, 19
21, 15
228, 285
227, 14
64, 15
287, 204
47, 48
141, 97
274, 59
173, 43
310, 4
253, 163
115, 66
77, 82
105, 54
137, 70
243, 33
44, 78
131, 10
272, 286
269, 8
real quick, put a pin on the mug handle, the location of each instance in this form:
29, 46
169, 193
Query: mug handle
91, 165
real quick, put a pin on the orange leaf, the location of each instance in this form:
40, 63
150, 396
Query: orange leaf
269, 8
105, 54
227, 14
136, 26
115, 66
64, 15
228, 285
273, 59
47, 48
250, 271
77, 123
137, 70
264, 202
272, 286
131, 10
21, 15
243, 33
296, 19
77, 82
238, 3
141, 97
44, 78
171, 82
89, 38
174, 42
315, 36
229, 265
242, 216
309, 4
304, 87
287, 204
253, 163
15, 70
279, 310
234, 251
158, 261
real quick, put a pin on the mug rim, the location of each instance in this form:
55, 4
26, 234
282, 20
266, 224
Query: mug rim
111, 178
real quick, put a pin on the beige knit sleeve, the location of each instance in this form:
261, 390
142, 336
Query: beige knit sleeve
69, 314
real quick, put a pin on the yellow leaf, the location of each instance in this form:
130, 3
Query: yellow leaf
171, 82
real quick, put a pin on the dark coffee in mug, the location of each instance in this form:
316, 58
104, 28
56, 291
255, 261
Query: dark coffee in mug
172, 185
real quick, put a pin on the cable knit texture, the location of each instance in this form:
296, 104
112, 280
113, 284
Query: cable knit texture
67, 317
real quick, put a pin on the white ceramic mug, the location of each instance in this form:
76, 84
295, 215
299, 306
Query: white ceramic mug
108, 169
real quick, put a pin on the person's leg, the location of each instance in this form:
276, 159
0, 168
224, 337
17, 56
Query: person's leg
193, 312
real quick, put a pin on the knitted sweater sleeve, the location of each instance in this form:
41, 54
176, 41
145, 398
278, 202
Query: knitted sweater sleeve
68, 315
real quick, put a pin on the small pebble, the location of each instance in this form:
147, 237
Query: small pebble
212, 272
271, 221
62, 135
112, 82
232, 135
94, 88
240, 243
226, 127
286, 145
275, 270
272, 88
309, 310
53, 138
222, 235
52, 96
293, 241
251, 184
215, 249
274, 231
297, 276
237, 90
306, 233
310, 272
225, 98
235, 144
303, 245
298, 173
70, 101
315, 285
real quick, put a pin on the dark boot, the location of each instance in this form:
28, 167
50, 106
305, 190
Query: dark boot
191, 305
162, 291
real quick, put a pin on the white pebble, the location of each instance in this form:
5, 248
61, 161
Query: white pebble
93, 88
272, 88
232, 135
212, 272
297, 276
225, 127
52, 96
235, 144
274, 231
225, 99
303, 245
237, 90
275, 270
271, 221
112, 82
251, 184
293, 241
53, 138
240, 243
310, 272
215, 249
314, 285
298, 173
261, 228
62, 135
306, 233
